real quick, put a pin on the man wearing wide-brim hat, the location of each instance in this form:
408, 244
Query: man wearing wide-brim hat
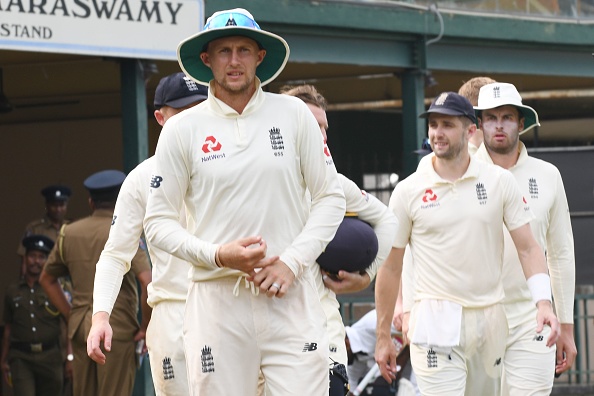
529, 366
242, 162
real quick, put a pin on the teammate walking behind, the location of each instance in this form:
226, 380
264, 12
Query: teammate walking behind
169, 286
529, 364
451, 212
241, 163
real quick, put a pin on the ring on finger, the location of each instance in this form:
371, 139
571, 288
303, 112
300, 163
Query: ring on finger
276, 285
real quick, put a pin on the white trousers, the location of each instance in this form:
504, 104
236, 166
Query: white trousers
166, 350
229, 339
529, 365
472, 368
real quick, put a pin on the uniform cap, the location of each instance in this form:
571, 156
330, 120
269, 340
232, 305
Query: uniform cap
56, 193
38, 242
105, 185
450, 103
178, 90
353, 248
235, 22
505, 94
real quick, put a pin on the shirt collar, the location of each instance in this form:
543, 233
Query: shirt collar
225, 110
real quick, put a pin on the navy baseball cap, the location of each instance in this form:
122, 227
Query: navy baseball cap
178, 90
56, 193
38, 242
450, 103
353, 248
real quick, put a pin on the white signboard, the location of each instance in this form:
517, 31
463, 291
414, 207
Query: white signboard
145, 29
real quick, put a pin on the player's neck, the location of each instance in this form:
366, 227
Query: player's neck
454, 168
505, 160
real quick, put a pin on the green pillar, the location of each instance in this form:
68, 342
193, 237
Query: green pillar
414, 128
134, 113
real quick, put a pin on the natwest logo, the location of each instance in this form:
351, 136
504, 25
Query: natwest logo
210, 145
326, 149
429, 196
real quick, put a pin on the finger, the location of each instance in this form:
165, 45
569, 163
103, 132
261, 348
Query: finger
252, 240
554, 336
272, 290
560, 355
283, 290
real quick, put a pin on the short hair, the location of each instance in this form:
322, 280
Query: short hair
470, 89
307, 93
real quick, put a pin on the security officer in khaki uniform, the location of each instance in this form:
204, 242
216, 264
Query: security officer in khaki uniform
76, 252
56, 206
31, 356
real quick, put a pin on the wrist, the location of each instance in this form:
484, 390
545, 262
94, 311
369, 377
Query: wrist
540, 288
218, 261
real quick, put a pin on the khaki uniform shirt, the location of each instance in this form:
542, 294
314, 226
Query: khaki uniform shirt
32, 318
43, 226
76, 253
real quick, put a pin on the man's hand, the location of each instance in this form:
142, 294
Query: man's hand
385, 356
405, 320
6, 372
398, 312
566, 349
546, 316
100, 332
245, 254
141, 335
348, 282
273, 279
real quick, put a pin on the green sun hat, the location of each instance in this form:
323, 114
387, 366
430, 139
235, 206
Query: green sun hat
503, 94
235, 22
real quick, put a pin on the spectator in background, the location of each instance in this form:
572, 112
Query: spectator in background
76, 253
32, 362
56, 207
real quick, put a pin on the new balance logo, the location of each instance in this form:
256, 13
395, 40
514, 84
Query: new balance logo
113, 220
538, 337
310, 346
156, 181
497, 362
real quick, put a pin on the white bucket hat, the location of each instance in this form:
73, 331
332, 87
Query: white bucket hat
235, 22
503, 94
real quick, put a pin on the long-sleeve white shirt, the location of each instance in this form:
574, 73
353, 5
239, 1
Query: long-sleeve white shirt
170, 275
371, 210
243, 175
541, 184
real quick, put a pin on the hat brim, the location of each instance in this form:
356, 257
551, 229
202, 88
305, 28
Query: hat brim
530, 115
185, 101
445, 111
189, 50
